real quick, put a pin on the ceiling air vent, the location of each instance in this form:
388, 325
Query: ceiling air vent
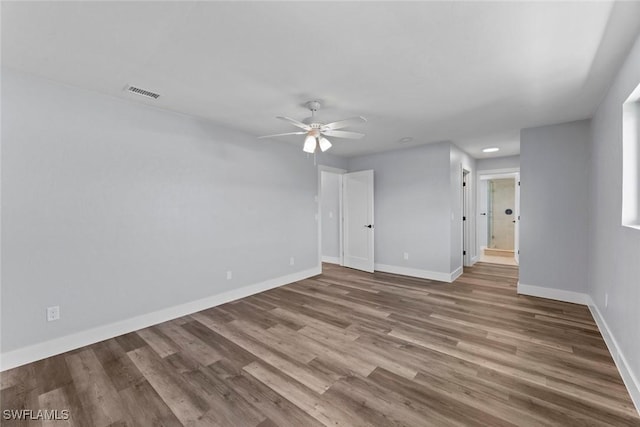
142, 92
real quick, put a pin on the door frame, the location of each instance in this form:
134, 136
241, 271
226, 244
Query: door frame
339, 172
516, 232
467, 257
499, 174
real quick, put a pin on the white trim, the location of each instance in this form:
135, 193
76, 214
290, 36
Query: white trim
339, 172
456, 273
32, 353
475, 259
340, 220
504, 171
516, 228
556, 294
468, 240
483, 175
331, 169
630, 165
422, 274
332, 259
629, 379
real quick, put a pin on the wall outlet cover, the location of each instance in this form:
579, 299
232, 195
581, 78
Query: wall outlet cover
53, 313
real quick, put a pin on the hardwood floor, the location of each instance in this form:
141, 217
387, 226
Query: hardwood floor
345, 348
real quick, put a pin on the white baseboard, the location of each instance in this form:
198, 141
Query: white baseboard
332, 260
556, 294
456, 273
475, 259
630, 380
32, 353
414, 272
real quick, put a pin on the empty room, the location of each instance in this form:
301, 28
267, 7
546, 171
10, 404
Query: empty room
311, 213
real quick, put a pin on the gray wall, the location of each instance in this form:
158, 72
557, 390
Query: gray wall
496, 163
614, 251
326, 159
111, 209
330, 215
412, 206
554, 206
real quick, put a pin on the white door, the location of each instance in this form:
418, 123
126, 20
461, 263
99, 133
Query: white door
358, 220
516, 231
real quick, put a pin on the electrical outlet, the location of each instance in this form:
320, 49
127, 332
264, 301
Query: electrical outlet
229, 275
406, 255
53, 313
606, 300
292, 261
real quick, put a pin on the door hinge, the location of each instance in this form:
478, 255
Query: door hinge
464, 218
518, 183
464, 252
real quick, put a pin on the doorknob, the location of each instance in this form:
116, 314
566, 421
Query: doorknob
368, 226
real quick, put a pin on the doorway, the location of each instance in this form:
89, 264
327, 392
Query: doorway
498, 204
345, 218
330, 215
467, 241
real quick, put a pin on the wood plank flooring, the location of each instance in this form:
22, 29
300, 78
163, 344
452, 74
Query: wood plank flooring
345, 348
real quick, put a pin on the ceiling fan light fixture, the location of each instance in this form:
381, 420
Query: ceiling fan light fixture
315, 131
309, 144
324, 144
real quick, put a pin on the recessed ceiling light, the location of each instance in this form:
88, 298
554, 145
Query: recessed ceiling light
490, 150
405, 140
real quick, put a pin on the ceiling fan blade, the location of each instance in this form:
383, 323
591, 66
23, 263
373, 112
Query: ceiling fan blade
281, 134
343, 134
295, 122
344, 123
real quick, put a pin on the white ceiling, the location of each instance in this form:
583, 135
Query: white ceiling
470, 72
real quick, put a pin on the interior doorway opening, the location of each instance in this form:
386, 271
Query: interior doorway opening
467, 241
499, 217
330, 223
345, 218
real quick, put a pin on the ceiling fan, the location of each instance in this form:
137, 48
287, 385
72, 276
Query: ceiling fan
316, 131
